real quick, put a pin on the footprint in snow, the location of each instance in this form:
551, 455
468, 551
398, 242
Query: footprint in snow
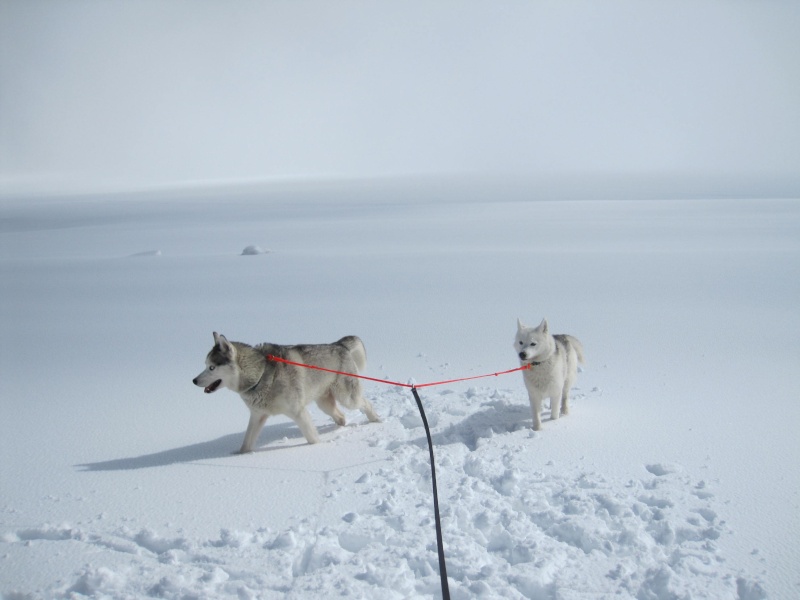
662, 469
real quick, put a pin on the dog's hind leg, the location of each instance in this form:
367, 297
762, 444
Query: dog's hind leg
349, 395
565, 400
307, 428
555, 405
362, 404
327, 403
366, 408
570, 381
257, 421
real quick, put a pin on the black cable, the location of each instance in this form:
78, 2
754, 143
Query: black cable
439, 541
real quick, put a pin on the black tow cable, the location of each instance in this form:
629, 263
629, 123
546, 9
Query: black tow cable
439, 541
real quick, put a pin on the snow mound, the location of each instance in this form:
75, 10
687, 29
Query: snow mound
253, 251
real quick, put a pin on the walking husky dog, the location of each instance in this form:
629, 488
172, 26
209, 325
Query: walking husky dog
270, 388
553, 361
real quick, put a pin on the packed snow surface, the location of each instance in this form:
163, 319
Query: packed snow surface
674, 476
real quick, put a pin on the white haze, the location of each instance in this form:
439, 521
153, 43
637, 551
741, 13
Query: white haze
680, 97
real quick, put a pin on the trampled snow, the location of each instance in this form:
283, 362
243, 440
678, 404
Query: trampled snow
675, 475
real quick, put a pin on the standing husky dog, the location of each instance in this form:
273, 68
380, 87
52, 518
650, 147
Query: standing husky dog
553, 361
271, 388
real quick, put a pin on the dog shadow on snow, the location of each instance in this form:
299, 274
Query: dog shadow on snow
221, 447
497, 417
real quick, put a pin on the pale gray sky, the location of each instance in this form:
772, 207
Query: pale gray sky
118, 94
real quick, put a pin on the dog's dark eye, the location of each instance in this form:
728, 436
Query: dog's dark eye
521, 344
211, 368
533, 343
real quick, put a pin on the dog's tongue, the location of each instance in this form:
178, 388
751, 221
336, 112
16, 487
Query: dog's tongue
213, 387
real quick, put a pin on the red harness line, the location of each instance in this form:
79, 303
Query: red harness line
407, 385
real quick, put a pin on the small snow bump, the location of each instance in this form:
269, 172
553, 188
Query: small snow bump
156, 544
708, 514
232, 539
91, 581
655, 502
253, 251
661, 469
284, 541
9, 538
749, 590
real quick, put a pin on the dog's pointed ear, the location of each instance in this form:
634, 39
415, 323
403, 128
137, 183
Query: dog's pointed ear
519, 324
223, 343
543, 326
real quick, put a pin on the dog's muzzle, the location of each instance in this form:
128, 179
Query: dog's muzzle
209, 388
213, 387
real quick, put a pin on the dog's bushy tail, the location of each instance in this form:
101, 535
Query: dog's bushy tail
576, 344
356, 348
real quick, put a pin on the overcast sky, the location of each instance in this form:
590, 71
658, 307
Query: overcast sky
118, 94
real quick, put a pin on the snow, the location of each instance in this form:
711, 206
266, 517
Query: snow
253, 251
675, 475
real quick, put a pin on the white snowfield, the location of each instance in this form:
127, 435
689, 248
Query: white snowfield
675, 475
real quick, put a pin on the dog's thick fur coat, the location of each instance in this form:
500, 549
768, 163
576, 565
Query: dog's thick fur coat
269, 387
553, 362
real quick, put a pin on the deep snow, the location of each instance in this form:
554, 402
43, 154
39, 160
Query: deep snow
675, 476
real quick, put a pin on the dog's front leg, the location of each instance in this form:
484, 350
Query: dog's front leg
254, 427
536, 408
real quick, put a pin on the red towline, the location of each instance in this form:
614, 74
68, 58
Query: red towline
386, 381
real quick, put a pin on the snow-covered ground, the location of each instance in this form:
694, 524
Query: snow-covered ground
675, 476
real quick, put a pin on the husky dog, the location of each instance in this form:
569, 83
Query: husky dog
553, 367
269, 387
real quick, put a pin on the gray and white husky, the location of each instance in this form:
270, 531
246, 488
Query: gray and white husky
270, 388
553, 361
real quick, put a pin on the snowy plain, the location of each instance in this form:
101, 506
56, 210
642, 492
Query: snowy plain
675, 476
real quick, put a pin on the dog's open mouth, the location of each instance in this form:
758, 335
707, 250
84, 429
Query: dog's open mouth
213, 387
